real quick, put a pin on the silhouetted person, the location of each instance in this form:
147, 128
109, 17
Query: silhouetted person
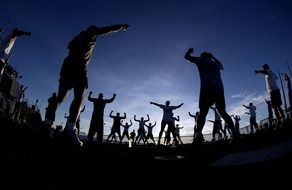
270, 112
212, 90
274, 91
289, 88
252, 120
236, 123
177, 133
126, 130
97, 121
116, 128
78, 121
217, 127
50, 114
132, 136
171, 130
73, 73
6, 45
167, 116
150, 132
141, 130
19, 98
195, 125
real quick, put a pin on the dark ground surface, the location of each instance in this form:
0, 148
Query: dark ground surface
29, 160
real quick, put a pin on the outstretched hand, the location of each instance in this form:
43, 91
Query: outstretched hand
191, 50
125, 26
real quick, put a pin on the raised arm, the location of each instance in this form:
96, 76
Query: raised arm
154, 124
216, 60
191, 115
89, 97
135, 118
261, 71
189, 57
16, 32
111, 99
175, 107
111, 29
130, 123
125, 115
148, 118
111, 114
245, 106
155, 104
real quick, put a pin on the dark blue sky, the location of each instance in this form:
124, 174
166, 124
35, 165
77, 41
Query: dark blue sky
146, 62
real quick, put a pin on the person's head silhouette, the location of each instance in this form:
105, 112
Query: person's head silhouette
167, 102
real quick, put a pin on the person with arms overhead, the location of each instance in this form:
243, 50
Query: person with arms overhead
167, 116
211, 92
97, 121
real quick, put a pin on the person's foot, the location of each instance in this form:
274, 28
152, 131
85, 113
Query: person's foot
199, 138
72, 133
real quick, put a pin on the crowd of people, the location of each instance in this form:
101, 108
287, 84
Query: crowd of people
73, 76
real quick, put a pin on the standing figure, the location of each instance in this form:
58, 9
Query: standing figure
141, 130
289, 88
126, 130
177, 133
97, 122
270, 112
116, 128
195, 125
6, 45
19, 98
50, 114
167, 116
272, 87
73, 73
149, 132
211, 92
252, 120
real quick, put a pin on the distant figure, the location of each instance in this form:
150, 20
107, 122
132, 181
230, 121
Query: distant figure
252, 120
73, 73
167, 116
236, 123
50, 114
289, 88
212, 90
150, 132
195, 125
217, 127
274, 91
19, 98
116, 128
78, 121
141, 130
177, 133
270, 112
6, 45
96, 123
171, 130
132, 136
126, 130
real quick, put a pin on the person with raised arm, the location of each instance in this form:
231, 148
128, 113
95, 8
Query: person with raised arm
167, 116
211, 91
